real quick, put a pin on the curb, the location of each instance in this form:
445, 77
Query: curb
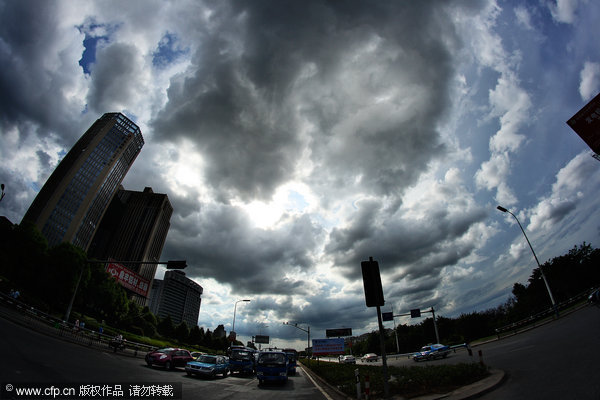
473, 390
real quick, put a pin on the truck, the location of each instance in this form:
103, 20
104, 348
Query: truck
242, 360
272, 366
292, 358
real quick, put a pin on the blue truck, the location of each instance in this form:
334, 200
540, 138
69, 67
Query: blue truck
272, 366
242, 360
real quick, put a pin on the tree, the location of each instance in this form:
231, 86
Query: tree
182, 332
196, 336
165, 327
67, 270
102, 297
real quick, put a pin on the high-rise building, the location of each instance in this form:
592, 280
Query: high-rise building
176, 296
134, 228
70, 205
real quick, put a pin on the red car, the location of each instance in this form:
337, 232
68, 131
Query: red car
169, 358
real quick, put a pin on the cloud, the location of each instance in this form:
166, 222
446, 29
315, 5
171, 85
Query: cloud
564, 10
590, 80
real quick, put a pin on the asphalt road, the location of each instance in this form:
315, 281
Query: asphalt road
559, 360
31, 357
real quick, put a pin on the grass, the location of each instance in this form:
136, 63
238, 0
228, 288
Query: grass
404, 381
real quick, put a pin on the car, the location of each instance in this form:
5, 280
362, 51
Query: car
169, 357
431, 352
370, 357
347, 360
208, 365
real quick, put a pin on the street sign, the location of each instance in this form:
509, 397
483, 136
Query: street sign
387, 316
415, 313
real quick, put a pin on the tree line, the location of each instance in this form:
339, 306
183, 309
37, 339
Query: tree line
568, 275
46, 278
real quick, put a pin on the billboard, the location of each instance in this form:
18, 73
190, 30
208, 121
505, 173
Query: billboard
338, 332
323, 347
586, 123
129, 279
261, 339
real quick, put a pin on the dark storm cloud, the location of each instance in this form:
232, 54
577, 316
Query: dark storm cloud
321, 313
220, 244
414, 250
36, 71
263, 71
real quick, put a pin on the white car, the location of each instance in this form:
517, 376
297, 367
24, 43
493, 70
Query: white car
370, 357
347, 360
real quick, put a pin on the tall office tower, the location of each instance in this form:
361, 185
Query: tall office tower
74, 198
177, 296
134, 228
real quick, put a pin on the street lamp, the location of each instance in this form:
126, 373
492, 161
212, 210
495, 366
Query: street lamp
536, 259
234, 309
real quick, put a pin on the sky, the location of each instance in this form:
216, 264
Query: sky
296, 139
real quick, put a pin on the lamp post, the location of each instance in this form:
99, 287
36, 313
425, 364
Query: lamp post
536, 259
234, 309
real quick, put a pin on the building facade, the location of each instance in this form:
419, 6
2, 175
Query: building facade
134, 228
71, 204
176, 296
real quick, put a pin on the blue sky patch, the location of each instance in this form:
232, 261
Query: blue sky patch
168, 51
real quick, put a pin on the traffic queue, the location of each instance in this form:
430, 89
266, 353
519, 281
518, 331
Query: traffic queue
267, 365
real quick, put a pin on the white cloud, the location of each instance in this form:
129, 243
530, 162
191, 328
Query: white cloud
564, 10
590, 80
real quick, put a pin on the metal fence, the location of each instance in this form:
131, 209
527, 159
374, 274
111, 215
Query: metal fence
543, 317
23, 314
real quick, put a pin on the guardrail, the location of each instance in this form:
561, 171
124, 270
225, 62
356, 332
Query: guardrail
21, 313
540, 318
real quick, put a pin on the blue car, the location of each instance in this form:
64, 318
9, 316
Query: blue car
208, 365
431, 352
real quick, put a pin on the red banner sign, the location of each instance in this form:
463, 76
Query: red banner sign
129, 279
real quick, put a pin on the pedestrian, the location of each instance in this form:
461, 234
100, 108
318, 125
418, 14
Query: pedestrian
76, 325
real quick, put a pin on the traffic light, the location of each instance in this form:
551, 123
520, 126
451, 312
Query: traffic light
372, 283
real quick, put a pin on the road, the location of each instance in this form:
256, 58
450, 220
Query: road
31, 357
559, 360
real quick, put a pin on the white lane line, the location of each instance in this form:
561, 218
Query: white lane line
316, 385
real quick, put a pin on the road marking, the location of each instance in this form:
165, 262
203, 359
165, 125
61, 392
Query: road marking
316, 384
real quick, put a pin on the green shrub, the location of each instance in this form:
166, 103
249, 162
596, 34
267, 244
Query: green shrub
404, 381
